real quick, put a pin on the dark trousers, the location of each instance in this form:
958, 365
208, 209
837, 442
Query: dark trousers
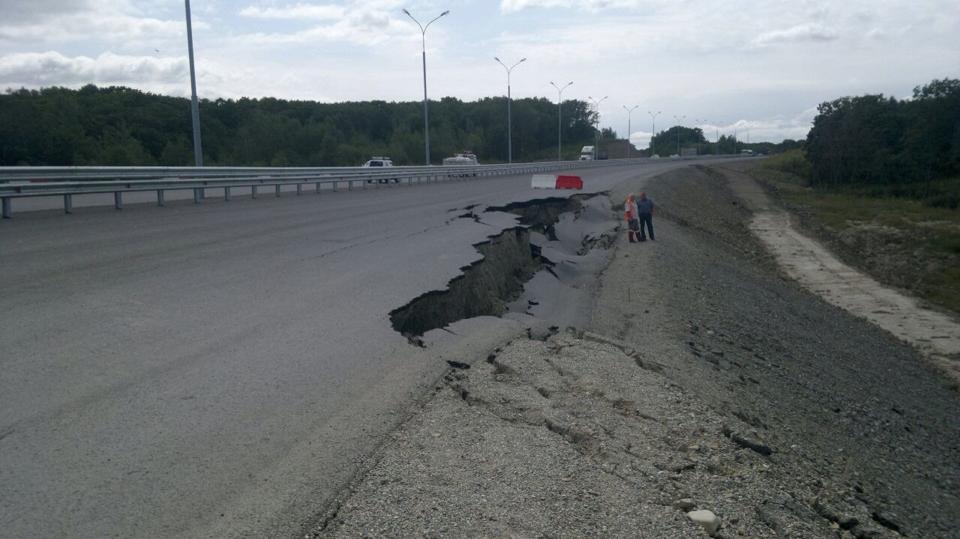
646, 224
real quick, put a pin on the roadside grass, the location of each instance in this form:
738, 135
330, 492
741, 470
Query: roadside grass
906, 236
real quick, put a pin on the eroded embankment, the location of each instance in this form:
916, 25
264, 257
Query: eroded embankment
489, 284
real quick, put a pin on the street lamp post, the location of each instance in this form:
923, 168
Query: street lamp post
679, 120
653, 127
509, 123
194, 106
629, 127
559, 115
596, 107
426, 113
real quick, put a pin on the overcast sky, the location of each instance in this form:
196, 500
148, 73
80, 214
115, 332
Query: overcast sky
729, 64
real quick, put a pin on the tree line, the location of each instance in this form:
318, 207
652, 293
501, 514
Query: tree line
679, 138
124, 126
873, 139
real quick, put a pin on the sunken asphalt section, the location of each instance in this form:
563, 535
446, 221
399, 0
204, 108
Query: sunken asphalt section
224, 370
705, 380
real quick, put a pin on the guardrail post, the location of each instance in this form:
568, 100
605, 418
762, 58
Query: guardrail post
160, 197
299, 189
196, 196
318, 187
226, 194
7, 210
67, 203
118, 200
253, 191
278, 190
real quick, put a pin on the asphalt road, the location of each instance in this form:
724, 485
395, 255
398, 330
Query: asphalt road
222, 369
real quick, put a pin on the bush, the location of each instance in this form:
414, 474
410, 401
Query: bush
944, 200
792, 162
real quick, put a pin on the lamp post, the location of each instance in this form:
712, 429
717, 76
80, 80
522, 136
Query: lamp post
194, 106
426, 113
679, 120
509, 124
559, 115
596, 138
629, 127
653, 127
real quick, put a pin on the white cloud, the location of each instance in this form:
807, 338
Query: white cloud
366, 23
764, 129
18, 11
800, 32
52, 68
85, 25
295, 11
511, 6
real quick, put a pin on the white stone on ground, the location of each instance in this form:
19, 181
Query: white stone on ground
709, 521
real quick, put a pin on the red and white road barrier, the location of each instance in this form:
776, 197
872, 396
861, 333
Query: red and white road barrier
556, 181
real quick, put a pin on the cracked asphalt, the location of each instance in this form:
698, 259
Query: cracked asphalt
223, 370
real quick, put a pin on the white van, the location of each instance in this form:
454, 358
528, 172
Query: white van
587, 153
380, 161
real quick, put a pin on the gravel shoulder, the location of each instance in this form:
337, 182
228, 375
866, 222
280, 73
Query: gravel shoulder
704, 380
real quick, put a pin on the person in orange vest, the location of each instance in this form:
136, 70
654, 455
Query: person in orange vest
630, 214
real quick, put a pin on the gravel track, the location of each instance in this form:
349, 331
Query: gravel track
861, 427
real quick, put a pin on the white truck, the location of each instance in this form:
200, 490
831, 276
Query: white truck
587, 153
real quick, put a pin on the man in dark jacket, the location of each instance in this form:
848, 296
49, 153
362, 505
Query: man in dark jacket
645, 215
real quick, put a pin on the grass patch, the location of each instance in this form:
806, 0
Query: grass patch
905, 236
791, 162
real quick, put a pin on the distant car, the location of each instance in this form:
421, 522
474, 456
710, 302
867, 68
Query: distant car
675, 156
655, 156
460, 160
465, 158
380, 161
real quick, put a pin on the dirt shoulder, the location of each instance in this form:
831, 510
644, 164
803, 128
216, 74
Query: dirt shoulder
935, 333
900, 242
705, 380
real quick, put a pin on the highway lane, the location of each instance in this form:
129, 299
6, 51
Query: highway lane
223, 369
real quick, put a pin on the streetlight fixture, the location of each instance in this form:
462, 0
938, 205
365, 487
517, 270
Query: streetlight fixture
559, 115
629, 127
653, 127
426, 113
194, 106
509, 124
679, 120
596, 107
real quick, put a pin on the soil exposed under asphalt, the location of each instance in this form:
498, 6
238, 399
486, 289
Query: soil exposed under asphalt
705, 380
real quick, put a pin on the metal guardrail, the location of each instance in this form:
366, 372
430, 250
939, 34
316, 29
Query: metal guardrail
21, 182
